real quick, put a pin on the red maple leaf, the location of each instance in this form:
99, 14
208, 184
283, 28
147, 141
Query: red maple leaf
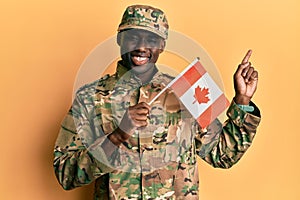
201, 95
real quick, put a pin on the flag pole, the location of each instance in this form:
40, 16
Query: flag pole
175, 79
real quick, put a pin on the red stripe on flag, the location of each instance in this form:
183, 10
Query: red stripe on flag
213, 111
188, 79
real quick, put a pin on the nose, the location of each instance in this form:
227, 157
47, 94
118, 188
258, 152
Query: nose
142, 44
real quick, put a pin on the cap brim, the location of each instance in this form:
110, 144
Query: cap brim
125, 27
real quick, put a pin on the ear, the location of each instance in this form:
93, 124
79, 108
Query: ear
119, 39
162, 46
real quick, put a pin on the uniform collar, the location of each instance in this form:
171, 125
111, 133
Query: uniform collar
126, 74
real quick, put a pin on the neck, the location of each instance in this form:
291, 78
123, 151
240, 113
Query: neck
147, 76
144, 75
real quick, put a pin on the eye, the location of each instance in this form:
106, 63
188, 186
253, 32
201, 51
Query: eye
131, 38
153, 41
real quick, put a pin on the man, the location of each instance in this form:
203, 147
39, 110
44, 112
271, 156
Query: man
133, 150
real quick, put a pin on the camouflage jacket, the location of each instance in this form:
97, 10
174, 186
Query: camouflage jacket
157, 162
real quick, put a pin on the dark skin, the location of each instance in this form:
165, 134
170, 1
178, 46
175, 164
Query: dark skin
140, 50
245, 81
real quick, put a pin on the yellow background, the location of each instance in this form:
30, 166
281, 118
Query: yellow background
43, 43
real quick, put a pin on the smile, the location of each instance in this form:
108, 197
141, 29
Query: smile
139, 60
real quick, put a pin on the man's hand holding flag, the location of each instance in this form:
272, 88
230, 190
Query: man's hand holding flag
199, 93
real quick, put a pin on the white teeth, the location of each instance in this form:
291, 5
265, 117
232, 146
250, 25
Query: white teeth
141, 58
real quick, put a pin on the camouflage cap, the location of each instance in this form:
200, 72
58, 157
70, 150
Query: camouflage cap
146, 18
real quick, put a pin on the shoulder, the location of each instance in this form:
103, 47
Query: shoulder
167, 76
164, 78
95, 86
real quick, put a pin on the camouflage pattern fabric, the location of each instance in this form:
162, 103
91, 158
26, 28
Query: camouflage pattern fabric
146, 18
157, 162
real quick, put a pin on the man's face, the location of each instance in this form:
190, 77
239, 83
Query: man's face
140, 49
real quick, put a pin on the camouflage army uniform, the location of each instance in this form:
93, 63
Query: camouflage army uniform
157, 162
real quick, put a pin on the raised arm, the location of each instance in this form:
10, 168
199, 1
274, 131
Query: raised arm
222, 145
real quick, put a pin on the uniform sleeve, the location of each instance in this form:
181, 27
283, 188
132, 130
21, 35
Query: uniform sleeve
74, 164
223, 145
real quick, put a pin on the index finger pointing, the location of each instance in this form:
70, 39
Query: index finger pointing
247, 56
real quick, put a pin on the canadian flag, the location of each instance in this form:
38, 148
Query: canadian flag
199, 93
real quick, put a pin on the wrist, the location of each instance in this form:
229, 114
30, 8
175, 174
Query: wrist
123, 135
242, 100
118, 137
